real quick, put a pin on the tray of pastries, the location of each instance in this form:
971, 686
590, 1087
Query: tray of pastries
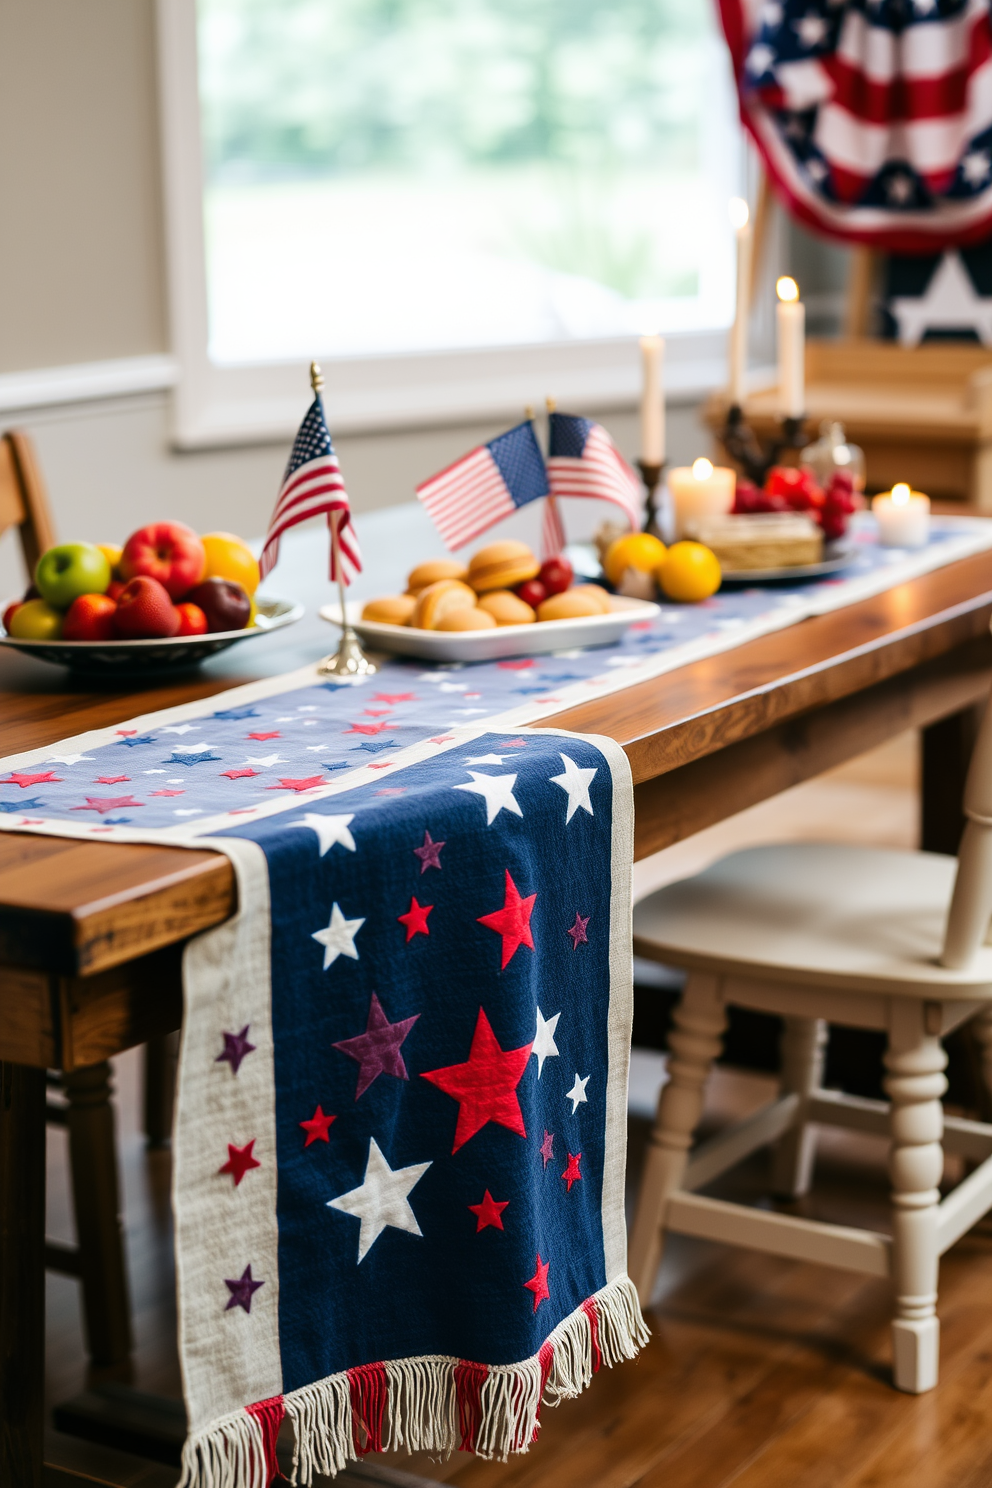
502, 603
759, 547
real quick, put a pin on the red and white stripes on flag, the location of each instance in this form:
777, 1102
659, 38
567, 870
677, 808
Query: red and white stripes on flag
584, 461
552, 530
466, 498
312, 486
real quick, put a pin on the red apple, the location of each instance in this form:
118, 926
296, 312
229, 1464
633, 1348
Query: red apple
556, 575
532, 592
225, 604
170, 552
192, 620
144, 610
8, 612
90, 618
115, 588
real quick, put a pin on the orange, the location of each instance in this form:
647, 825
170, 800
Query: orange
229, 558
689, 572
640, 550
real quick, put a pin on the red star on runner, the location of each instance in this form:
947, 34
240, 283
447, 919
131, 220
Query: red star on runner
571, 1174
415, 919
548, 1146
238, 774
110, 779
375, 712
485, 1086
391, 790
274, 735
239, 1161
24, 781
538, 1283
489, 1212
395, 697
316, 1127
512, 922
311, 783
367, 728
167, 793
103, 804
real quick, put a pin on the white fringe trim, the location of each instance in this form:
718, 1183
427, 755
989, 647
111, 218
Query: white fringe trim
421, 1410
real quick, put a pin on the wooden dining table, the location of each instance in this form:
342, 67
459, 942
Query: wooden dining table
91, 934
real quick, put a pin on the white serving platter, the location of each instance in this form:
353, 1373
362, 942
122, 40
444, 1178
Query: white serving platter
500, 644
837, 555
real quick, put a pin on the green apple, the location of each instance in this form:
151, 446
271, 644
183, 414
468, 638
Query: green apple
71, 569
36, 621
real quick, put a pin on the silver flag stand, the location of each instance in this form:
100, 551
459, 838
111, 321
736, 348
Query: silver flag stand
349, 660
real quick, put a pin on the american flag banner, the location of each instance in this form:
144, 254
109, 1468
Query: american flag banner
584, 461
874, 117
486, 485
312, 485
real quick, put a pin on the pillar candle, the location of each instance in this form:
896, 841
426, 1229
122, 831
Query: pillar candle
652, 401
791, 323
738, 331
700, 491
903, 518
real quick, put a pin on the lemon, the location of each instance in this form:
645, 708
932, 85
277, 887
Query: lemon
229, 558
689, 572
639, 550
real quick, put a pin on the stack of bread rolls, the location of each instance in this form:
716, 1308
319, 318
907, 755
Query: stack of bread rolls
444, 594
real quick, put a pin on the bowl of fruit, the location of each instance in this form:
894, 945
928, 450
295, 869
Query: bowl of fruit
164, 602
504, 602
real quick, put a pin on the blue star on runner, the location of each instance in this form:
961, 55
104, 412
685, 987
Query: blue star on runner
145, 739
33, 805
527, 690
341, 765
178, 758
373, 746
246, 712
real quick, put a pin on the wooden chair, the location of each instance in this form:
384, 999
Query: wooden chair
87, 1113
856, 936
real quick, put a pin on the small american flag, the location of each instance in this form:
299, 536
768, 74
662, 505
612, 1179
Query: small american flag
584, 461
484, 486
312, 485
874, 117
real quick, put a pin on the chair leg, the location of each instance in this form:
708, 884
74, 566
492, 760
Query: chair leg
981, 1029
695, 1041
804, 1042
915, 1061
96, 1201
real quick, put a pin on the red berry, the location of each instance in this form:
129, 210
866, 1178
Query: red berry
797, 487
532, 592
192, 620
556, 575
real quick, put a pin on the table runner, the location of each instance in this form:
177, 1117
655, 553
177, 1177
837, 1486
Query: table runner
400, 1127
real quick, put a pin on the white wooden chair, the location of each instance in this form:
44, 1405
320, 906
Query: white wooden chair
849, 935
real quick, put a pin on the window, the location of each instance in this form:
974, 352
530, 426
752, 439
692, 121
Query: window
406, 188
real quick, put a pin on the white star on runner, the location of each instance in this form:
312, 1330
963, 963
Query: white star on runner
339, 937
544, 1045
329, 829
67, 759
577, 1094
811, 29
575, 782
484, 759
498, 791
382, 1199
179, 728
266, 761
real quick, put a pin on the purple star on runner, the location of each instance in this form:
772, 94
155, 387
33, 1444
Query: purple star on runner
377, 1050
578, 931
242, 1290
236, 1046
548, 1147
429, 854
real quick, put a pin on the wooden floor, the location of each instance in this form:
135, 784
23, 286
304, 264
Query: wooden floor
760, 1373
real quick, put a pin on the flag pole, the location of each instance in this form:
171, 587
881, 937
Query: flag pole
554, 521
349, 660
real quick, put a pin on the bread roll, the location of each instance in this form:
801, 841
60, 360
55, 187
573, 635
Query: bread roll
467, 619
394, 609
501, 565
571, 605
507, 608
432, 572
434, 602
596, 592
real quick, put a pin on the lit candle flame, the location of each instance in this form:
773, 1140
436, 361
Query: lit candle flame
787, 290
739, 213
901, 494
702, 469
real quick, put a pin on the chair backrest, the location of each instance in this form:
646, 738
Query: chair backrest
971, 904
23, 500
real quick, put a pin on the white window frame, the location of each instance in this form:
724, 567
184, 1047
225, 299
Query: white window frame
216, 406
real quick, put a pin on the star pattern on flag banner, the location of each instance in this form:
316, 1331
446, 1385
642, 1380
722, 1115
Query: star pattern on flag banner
497, 791
538, 1283
377, 1050
329, 830
485, 1085
512, 922
382, 1199
544, 1046
429, 854
575, 782
489, 1212
317, 1127
577, 1094
415, 919
338, 939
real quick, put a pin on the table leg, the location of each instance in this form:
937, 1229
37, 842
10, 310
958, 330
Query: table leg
22, 1274
945, 754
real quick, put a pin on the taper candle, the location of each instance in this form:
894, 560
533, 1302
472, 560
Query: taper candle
652, 401
791, 322
739, 216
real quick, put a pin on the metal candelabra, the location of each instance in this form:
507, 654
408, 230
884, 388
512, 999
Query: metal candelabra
741, 443
651, 476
